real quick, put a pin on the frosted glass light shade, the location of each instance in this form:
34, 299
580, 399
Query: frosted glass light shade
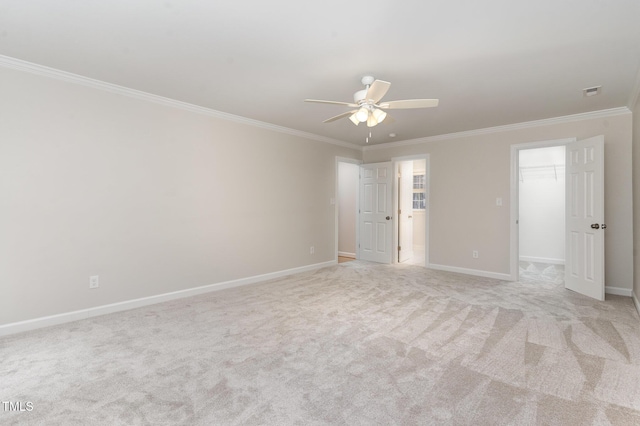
379, 114
362, 114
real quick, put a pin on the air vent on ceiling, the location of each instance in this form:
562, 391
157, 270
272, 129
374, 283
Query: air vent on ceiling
592, 91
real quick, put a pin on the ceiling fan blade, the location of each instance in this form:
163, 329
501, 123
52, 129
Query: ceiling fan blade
331, 102
410, 103
338, 117
377, 90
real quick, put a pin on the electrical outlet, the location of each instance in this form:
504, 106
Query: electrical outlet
312, 250
498, 201
94, 281
475, 254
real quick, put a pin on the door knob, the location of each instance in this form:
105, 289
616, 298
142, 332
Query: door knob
595, 226
388, 217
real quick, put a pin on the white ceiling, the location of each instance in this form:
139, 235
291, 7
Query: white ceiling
491, 62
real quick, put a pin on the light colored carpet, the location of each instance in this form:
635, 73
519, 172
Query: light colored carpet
417, 259
356, 343
542, 273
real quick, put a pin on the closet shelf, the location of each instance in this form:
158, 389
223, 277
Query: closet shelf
544, 171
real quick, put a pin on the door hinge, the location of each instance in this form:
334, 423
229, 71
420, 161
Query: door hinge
399, 211
399, 248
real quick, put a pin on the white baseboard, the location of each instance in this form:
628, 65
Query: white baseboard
476, 272
32, 324
636, 302
347, 254
618, 291
542, 260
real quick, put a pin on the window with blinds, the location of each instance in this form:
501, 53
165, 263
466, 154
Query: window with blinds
419, 201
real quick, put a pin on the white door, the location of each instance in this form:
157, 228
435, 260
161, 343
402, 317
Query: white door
405, 211
584, 260
375, 212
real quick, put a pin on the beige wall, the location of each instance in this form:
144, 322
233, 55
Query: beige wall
469, 173
151, 198
636, 198
418, 229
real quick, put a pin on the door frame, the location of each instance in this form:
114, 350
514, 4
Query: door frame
336, 200
515, 198
405, 182
427, 187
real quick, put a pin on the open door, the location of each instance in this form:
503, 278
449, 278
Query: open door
405, 211
375, 212
584, 267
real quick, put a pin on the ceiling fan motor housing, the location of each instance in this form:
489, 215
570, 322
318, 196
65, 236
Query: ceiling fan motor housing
359, 96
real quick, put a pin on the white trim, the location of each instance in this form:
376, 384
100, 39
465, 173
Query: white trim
475, 272
509, 127
427, 209
18, 327
636, 302
42, 70
30, 67
618, 291
542, 260
635, 93
514, 214
346, 254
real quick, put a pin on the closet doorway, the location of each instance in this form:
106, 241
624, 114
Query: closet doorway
541, 220
412, 208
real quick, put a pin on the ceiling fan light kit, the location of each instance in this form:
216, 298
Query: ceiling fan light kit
367, 101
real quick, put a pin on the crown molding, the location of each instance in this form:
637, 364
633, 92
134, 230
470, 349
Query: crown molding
506, 128
20, 65
635, 93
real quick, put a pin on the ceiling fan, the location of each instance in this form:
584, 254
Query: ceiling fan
369, 109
